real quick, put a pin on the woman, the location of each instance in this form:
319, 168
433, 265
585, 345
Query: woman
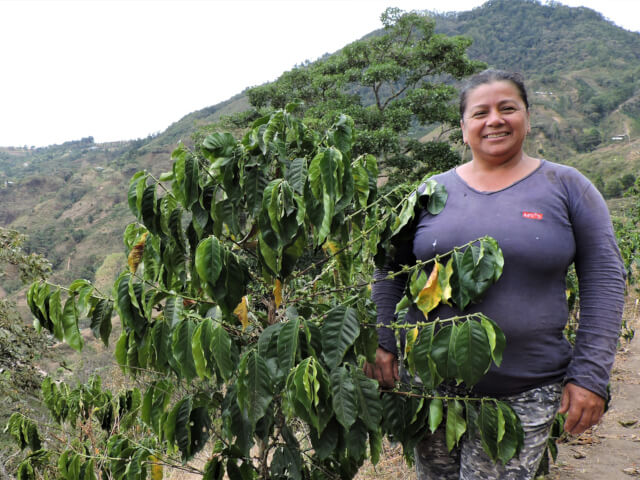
544, 216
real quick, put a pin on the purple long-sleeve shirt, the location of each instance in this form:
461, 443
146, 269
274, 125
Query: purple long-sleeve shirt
543, 223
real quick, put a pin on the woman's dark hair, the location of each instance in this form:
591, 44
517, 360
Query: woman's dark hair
490, 76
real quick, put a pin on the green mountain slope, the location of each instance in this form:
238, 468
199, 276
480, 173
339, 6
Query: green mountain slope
583, 113
527, 36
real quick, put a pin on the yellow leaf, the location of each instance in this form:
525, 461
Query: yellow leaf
277, 293
156, 468
431, 295
333, 247
135, 255
242, 312
444, 277
412, 336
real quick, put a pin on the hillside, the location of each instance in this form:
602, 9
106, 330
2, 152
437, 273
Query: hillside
581, 113
71, 198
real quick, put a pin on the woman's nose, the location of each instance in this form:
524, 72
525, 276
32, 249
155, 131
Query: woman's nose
494, 117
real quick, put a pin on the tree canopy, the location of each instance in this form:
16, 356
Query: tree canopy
392, 83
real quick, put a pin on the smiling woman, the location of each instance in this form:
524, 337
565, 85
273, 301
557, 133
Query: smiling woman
495, 122
545, 217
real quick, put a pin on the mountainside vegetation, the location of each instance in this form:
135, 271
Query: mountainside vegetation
393, 84
582, 113
20, 347
68, 199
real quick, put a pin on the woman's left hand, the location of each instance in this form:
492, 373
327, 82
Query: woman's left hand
583, 408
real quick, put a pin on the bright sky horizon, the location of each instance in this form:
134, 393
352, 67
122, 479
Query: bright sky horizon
120, 70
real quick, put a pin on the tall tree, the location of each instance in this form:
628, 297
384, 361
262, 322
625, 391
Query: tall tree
391, 84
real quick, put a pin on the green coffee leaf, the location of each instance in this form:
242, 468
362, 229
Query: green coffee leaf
101, 320
361, 184
472, 352
137, 182
344, 400
55, 315
219, 145
199, 429
173, 311
369, 404
209, 262
161, 356
288, 344
405, 216
254, 386
442, 352
190, 179
255, 183
220, 348
268, 347
72, 334
435, 414
213, 470
487, 423
182, 338
356, 441
420, 360
177, 429
339, 332
306, 390
197, 350
511, 439
456, 425
497, 340
296, 174
148, 209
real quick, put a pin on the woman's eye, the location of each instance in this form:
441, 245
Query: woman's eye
479, 114
508, 109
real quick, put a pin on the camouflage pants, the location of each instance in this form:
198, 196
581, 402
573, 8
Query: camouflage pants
536, 408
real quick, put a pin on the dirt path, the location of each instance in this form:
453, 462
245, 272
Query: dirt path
611, 450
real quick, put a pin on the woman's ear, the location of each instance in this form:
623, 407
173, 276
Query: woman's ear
464, 137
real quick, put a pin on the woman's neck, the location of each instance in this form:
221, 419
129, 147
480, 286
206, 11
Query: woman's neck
489, 177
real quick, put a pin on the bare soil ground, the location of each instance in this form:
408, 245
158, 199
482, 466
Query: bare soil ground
611, 449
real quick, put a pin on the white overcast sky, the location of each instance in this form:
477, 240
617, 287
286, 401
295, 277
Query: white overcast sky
119, 70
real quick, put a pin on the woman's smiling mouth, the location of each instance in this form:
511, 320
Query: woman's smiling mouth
497, 135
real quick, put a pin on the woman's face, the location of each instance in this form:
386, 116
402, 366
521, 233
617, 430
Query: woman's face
495, 122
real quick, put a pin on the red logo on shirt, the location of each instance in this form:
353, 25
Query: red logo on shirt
532, 215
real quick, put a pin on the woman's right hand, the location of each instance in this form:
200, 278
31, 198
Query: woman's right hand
385, 370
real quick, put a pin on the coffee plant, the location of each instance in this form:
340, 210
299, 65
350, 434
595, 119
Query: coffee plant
246, 318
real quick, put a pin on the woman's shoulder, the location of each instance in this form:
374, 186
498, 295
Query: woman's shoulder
561, 169
570, 177
443, 178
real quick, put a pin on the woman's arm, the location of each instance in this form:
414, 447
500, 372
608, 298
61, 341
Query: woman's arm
601, 278
386, 293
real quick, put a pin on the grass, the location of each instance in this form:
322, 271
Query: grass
391, 465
